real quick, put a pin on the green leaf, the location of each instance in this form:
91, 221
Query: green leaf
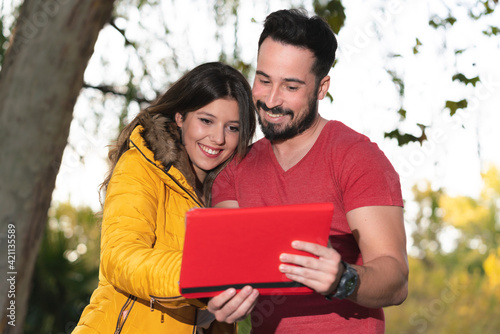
406, 138
491, 31
402, 138
333, 12
402, 113
451, 20
245, 326
437, 22
462, 78
454, 106
487, 8
329, 96
434, 24
398, 82
417, 46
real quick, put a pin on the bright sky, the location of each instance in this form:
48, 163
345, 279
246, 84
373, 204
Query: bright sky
364, 96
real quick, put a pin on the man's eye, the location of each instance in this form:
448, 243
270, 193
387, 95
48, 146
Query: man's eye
293, 88
265, 82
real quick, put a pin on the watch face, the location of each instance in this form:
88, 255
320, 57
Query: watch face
347, 283
350, 284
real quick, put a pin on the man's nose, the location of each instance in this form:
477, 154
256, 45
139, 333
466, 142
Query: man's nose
274, 98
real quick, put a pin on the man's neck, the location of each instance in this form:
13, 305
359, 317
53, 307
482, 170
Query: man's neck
289, 152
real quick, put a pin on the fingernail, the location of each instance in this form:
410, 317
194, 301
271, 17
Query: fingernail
283, 257
295, 244
282, 268
231, 292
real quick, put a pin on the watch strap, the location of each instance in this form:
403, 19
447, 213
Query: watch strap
347, 284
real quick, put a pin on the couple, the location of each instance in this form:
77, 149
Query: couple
178, 154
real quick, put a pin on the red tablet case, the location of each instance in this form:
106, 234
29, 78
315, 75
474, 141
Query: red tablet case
236, 247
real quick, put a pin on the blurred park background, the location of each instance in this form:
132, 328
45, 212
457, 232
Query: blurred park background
419, 77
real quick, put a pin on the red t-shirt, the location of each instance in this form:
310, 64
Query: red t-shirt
343, 167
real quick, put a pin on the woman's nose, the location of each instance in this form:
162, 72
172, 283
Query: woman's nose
217, 135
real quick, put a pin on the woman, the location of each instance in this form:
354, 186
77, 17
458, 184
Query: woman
163, 164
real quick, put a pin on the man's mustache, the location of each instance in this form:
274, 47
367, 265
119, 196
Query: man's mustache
276, 110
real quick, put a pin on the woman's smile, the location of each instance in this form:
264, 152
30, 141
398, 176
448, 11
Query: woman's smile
210, 134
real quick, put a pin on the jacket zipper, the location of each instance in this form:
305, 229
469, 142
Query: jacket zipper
154, 300
124, 313
170, 176
182, 187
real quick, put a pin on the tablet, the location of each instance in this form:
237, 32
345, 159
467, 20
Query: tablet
226, 248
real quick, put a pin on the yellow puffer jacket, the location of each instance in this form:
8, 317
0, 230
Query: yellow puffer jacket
141, 250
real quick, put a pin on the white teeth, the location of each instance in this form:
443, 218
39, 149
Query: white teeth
209, 150
274, 115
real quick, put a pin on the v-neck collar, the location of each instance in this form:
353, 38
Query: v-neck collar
289, 170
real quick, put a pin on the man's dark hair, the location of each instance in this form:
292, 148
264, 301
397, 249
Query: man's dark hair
296, 28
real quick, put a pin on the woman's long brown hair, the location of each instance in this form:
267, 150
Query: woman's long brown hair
194, 90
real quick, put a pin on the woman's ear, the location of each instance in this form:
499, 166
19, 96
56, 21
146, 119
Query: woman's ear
179, 119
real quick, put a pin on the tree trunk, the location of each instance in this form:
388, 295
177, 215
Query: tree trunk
40, 80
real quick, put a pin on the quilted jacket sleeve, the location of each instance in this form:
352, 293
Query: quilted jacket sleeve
128, 260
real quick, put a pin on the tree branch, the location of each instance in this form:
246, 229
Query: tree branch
109, 89
112, 22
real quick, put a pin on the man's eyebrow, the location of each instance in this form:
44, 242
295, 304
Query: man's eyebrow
262, 73
295, 80
302, 82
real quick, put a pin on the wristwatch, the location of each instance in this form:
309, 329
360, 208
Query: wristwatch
347, 284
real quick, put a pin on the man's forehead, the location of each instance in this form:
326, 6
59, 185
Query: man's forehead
286, 62
284, 66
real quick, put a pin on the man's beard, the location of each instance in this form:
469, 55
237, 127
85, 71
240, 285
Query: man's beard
279, 132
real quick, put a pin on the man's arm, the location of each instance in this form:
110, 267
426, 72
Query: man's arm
383, 277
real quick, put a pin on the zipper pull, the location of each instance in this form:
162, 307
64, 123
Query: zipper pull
151, 303
162, 317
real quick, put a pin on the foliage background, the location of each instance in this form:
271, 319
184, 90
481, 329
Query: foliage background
449, 292
453, 238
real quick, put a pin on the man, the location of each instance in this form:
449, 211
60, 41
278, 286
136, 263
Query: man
303, 159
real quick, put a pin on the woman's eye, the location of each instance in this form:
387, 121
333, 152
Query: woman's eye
205, 120
234, 128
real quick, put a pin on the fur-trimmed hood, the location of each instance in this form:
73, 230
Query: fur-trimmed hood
162, 137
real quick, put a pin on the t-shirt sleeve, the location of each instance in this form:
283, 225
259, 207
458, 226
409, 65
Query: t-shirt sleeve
368, 178
224, 187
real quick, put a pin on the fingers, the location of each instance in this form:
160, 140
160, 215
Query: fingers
320, 274
230, 306
326, 257
322, 281
217, 302
315, 249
